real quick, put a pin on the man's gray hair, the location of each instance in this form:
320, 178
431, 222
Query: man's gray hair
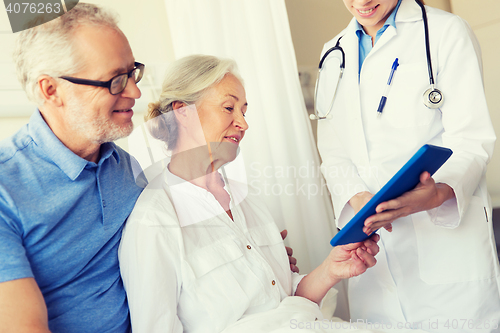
49, 49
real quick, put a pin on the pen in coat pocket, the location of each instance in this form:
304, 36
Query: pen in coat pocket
381, 105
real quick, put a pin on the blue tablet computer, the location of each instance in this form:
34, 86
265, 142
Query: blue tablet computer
428, 158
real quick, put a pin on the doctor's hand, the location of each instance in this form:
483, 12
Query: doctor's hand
289, 252
359, 200
426, 195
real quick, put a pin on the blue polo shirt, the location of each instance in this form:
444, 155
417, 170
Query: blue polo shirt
365, 40
61, 219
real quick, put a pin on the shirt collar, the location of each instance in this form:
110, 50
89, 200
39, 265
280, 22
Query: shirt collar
391, 21
172, 179
108, 149
70, 163
409, 12
184, 186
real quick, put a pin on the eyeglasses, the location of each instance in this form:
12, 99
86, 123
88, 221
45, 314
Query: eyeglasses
117, 84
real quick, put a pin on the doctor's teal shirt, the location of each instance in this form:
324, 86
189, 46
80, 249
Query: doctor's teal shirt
365, 41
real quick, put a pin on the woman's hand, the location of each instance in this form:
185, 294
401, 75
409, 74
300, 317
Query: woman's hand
289, 252
426, 195
344, 261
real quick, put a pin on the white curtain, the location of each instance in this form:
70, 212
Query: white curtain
279, 152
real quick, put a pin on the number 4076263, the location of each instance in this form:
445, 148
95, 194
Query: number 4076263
33, 8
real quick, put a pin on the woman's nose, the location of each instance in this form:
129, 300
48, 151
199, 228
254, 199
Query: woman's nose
240, 121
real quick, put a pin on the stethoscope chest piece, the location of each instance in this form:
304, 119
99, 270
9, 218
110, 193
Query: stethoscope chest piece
433, 98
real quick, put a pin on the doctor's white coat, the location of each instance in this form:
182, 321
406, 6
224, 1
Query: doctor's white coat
440, 266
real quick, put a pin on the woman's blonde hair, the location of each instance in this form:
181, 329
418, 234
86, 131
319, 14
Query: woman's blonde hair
186, 80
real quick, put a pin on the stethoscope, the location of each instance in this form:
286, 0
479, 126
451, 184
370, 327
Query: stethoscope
433, 98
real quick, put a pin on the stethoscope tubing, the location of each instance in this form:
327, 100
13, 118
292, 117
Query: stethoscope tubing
337, 46
427, 100
427, 44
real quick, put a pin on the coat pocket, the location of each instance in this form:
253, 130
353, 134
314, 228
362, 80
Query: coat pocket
266, 235
216, 292
210, 257
268, 240
456, 255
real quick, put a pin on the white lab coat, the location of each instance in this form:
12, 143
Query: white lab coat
438, 265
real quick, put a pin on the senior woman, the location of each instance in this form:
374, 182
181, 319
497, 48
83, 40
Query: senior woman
200, 252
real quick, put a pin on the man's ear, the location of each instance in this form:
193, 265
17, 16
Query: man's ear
49, 90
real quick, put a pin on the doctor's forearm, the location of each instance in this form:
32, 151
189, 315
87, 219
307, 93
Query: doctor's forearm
445, 192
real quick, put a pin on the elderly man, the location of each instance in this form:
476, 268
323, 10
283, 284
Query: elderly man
65, 189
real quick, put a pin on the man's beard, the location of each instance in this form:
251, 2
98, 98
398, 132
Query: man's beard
97, 130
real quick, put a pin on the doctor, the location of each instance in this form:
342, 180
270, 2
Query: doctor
437, 267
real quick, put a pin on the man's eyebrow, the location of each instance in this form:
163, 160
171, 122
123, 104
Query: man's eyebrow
121, 70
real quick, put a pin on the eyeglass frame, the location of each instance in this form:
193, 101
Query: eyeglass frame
107, 84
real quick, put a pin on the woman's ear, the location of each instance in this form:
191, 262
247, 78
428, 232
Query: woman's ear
178, 105
49, 90
180, 111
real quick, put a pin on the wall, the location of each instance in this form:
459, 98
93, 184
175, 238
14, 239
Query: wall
484, 18
314, 22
